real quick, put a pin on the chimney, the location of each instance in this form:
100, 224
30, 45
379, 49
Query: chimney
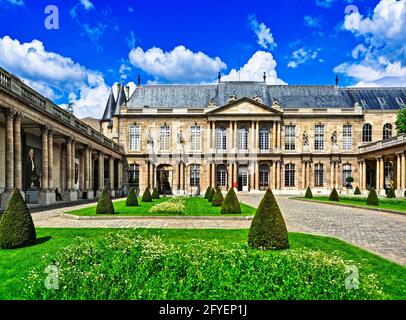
264, 76
337, 80
139, 81
219, 76
127, 92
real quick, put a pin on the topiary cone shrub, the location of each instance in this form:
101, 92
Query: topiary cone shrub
373, 199
16, 226
404, 195
309, 194
132, 200
105, 205
391, 193
206, 195
218, 198
268, 229
146, 197
357, 191
211, 194
155, 194
231, 205
334, 195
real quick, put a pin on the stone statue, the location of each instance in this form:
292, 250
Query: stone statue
233, 97
212, 102
334, 138
180, 137
305, 139
150, 139
257, 98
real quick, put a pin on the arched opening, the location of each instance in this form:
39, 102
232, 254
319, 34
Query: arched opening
367, 133
264, 177
387, 131
164, 179
243, 178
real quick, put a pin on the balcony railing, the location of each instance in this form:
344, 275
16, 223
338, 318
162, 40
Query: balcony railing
387, 143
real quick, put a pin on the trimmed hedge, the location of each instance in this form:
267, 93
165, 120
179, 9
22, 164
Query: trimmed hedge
391, 193
206, 194
218, 198
357, 191
334, 195
105, 205
268, 228
373, 199
16, 226
211, 195
146, 197
132, 200
155, 194
309, 194
231, 205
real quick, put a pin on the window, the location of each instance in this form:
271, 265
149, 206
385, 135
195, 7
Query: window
221, 176
388, 173
134, 176
347, 137
243, 139
135, 138
367, 133
195, 175
221, 139
290, 175
264, 176
290, 137
382, 101
400, 102
319, 175
319, 137
195, 138
364, 104
387, 131
264, 139
165, 137
347, 172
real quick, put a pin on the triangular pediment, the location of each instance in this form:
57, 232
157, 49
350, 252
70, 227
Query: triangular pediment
244, 106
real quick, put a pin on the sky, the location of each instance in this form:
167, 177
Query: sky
77, 50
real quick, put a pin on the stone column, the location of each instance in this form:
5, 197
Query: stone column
18, 182
9, 117
235, 137
50, 159
303, 175
63, 168
111, 176
120, 176
273, 175
69, 164
364, 175
86, 168
101, 173
44, 174
378, 174
213, 174
275, 135
257, 137
257, 175
73, 158
278, 175
403, 180
381, 171
398, 171
332, 171
310, 182
336, 178
252, 142
230, 175
235, 171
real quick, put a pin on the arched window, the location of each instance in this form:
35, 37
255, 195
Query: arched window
264, 139
318, 175
387, 131
165, 135
264, 176
243, 140
194, 175
367, 133
290, 175
135, 138
389, 173
195, 138
221, 176
221, 138
134, 176
347, 172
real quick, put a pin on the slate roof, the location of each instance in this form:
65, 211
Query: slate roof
110, 108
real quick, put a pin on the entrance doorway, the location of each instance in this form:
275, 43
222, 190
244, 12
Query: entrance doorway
164, 179
242, 179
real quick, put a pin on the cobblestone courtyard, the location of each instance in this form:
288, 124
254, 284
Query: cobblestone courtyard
379, 232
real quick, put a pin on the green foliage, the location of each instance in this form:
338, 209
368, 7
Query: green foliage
105, 205
132, 200
401, 121
391, 193
16, 226
127, 266
309, 194
206, 195
404, 194
268, 229
146, 197
357, 191
175, 205
231, 205
155, 194
373, 199
334, 195
218, 198
211, 194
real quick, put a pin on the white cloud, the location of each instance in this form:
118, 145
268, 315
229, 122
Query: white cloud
312, 22
265, 37
18, 3
254, 69
87, 4
325, 3
178, 65
303, 55
54, 75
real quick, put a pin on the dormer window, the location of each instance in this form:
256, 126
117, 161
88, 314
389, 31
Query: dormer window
364, 104
400, 102
382, 101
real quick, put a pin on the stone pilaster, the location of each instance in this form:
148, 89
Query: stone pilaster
50, 159
111, 176
44, 174
9, 117
101, 172
18, 182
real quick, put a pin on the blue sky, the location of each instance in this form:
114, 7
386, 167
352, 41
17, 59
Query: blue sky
295, 42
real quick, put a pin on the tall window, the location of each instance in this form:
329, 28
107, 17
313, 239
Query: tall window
290, 137
388, 173
165, 135
290, 175
194, 175
347, 137
347, 172
264, 176
134, 176
319, 175
195, 138
221, 176
367, 133
319, 137
135, 138
221, 138
387, 131
243, 139
264, 139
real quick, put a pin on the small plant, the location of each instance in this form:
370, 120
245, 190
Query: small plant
404, 194
372, 199
231, 205
349, 181
105, 205
206, 194
155, 194
391, 193
334, 195
16, 226
309, 194
218, 198
172, 206
146, 197
357, 191
132, 200
211, 194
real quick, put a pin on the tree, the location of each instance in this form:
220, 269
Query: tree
217, 198
349, 181
309, 194
334, 195
357, 191
155, 194
132, 200
16, 226
211, 194
146, 197
208, 190
231, 205
268, 228
373, 199
401, 121
105, 205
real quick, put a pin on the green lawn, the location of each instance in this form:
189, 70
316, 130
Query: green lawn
16, 264
384, 203
194, 207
